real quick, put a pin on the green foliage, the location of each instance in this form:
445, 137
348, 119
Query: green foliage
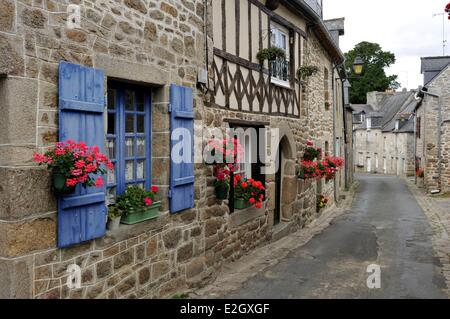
132, 200
306, 71
374, 77
115, 211
270, 54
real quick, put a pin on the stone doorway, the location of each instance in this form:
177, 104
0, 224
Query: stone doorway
285, 182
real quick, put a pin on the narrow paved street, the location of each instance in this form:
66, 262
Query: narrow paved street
385, 226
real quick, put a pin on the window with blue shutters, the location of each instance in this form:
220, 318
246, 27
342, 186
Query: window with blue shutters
182, 178
82, 215
128, 139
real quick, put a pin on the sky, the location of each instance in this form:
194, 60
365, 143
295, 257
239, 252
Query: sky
405, 27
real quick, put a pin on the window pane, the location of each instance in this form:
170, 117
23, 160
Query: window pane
111, 99
111, 123
129, 100
140, 101
283, 41
129, 147
140, 170
129, 125
129, 171
111, 177
111, 146
141, 147
141, 123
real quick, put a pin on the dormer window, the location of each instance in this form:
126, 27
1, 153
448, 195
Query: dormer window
397, 125
280, 67
369, 123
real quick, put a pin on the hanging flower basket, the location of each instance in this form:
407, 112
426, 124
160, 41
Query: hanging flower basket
74, 164
226, 154
311, 152
59, 184
222, 191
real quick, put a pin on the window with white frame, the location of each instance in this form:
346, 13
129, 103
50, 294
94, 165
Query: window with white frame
280, 68
248, 139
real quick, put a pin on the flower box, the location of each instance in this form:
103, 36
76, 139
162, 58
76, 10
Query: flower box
142, 214
240, 203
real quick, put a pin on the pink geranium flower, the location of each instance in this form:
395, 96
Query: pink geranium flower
148, 201
99, 182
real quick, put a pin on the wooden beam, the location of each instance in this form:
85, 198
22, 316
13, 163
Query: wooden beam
224, 26
237, 10
240, 61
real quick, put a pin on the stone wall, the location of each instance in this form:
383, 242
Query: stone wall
436, 175
393, 150
152, 43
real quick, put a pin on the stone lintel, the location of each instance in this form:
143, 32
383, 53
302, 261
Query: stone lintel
124, 70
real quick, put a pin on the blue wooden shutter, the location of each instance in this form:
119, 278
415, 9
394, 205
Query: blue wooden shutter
81, 216
181, 192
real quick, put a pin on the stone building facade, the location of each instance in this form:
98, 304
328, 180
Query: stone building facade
148, 46
433, 125
384, 134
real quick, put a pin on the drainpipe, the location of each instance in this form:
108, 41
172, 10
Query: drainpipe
415, 146
205, 21
440, 122
344, 116
334, 125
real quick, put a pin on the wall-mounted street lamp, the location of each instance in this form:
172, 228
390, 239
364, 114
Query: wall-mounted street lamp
358, 66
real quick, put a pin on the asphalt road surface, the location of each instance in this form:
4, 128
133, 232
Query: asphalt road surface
385, 227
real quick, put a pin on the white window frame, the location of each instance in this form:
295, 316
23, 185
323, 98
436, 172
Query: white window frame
245, 167
278, 33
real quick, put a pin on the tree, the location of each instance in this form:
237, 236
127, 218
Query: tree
374, 77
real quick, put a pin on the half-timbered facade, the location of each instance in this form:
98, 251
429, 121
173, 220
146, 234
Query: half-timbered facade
271, 93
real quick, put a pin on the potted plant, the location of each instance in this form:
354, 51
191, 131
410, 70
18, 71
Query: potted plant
74, 164
222, 183
331, 165
311, 152
138, 205
322, 202
248, 192
114, 216
309, 170
306, 71
270, 54
225, 156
